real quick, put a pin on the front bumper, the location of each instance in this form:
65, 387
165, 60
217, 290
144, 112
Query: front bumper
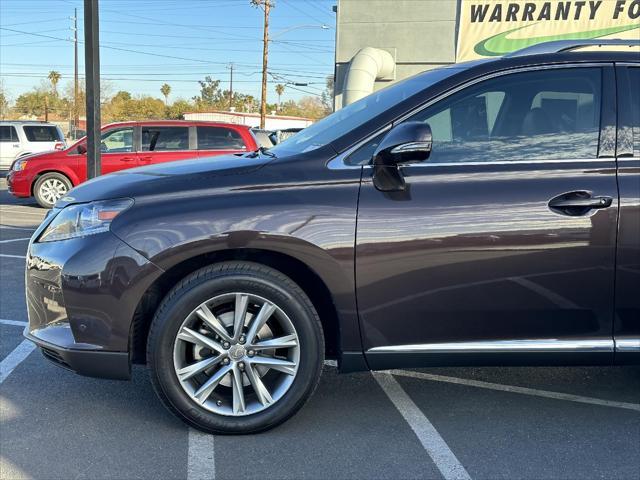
19, 183
91, 363
82, 294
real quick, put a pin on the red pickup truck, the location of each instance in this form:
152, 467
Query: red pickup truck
49, 176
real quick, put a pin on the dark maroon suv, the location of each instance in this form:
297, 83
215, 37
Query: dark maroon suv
484, 213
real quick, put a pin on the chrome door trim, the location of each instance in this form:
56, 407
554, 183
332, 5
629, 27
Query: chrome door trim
502, 346
627, 345
508, 162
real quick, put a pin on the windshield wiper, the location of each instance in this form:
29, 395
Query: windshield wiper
263, 151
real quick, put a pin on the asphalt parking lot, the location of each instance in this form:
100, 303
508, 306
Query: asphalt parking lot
452, 423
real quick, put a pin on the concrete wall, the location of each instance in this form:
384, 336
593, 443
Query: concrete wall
419, 34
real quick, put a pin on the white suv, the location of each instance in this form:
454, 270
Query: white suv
19, 138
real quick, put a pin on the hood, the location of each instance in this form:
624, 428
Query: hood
46, 155
164, 178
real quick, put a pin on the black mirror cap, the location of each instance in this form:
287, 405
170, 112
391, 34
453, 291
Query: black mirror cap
82, 149
407, 142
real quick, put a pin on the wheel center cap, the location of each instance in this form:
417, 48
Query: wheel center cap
237, 352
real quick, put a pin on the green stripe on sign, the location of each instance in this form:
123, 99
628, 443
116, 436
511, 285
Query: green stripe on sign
499, 44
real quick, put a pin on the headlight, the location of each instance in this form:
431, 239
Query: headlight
19, 165
84, 219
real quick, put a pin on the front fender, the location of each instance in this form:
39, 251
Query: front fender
313, 223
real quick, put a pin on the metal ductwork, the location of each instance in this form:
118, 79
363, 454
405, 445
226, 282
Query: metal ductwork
367, 66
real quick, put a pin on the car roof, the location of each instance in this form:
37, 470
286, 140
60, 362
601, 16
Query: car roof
175, 123
26, 122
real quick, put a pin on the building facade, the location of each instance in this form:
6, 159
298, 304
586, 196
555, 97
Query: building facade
272, 122
419, 35
379, 42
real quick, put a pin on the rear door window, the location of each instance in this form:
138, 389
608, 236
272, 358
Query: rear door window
165, 139
42, 133
8, 134
219, 138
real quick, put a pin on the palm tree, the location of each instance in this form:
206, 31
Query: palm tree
165, 90
279, 91
54, 77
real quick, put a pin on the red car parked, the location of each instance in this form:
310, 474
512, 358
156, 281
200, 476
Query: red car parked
49, 176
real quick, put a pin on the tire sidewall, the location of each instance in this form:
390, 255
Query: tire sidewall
36, 189
171, 317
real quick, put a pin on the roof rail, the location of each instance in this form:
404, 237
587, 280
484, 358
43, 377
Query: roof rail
568, 45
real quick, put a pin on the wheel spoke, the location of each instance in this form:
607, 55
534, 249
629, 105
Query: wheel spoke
285, 366
238, 390
203, 393
258, 386
188, 335
259, 320
206, 315
198, 367
240, 313
235, 354
274, 343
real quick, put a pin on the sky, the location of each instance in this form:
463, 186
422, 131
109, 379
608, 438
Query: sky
145, 43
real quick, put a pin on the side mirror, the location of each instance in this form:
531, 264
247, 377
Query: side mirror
405, 143
82, 149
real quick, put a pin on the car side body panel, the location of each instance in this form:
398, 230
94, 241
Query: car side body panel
295, 207
627, 308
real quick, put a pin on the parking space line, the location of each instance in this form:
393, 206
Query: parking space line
446, 461
201, 459
17, 355
22, 212
513, 389
11, 227
15, 240
15, 323
12, 256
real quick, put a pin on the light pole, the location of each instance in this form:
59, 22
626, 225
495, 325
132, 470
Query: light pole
266, 5
92, 78
297, 27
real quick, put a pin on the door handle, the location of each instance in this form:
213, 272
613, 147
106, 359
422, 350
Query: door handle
127, 159
578, 203
145, 159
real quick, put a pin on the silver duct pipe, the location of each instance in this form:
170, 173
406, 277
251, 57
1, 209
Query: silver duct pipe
367, 66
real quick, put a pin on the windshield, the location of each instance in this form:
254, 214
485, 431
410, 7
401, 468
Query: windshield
352, 116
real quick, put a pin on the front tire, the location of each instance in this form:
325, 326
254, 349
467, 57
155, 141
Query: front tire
50, 187
235, 347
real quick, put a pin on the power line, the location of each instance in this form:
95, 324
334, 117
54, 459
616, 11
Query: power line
140, 52
306, 14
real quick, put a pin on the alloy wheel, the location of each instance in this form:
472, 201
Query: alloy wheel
52, 190
236, 354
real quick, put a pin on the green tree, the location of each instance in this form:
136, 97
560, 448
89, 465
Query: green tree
165, 89
4, 102
327, 95
31, 103
279, 92
177, 109
210, 93
54, 77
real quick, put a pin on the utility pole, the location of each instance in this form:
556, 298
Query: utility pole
265, 54
92, 78
230, 86
76, 113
